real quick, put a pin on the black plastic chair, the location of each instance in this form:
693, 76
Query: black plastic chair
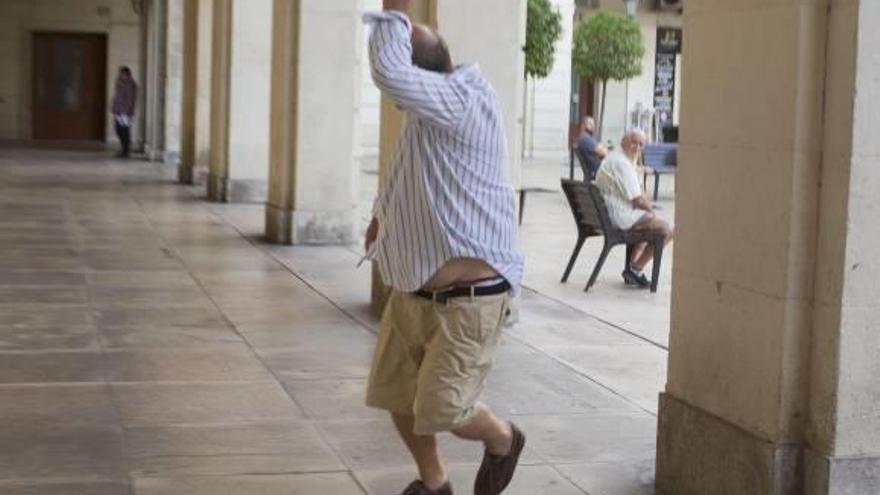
592, 220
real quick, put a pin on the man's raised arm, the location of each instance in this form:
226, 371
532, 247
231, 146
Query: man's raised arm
436, 97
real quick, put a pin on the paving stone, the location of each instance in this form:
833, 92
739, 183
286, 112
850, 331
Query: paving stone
307, 484
42, 295
39, 452
42, 278
319, 363
174, 337
46, 406
45, 487
44, 367
590, 438
203, 403
375, 444
333, 399
635, 478
79, 338
159, 316
528, 480
299, 440
44, 315
210, 363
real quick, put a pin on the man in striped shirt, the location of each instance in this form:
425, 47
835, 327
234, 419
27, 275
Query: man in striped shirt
444, 238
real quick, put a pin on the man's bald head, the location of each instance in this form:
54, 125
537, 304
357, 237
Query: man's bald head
430, 51
633, 143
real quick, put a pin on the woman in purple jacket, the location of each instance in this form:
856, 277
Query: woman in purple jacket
124, 100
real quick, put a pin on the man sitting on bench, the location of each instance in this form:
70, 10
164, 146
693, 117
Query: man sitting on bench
628, 207
590, 150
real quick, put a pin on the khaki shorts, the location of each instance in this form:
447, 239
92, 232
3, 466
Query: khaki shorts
432, 359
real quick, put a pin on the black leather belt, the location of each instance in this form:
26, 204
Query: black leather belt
473, 291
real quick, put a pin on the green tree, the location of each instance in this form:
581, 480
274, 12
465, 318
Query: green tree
543, 29
608, 46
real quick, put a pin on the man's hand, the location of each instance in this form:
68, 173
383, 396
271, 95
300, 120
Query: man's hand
400, 5
642, 203
372, 232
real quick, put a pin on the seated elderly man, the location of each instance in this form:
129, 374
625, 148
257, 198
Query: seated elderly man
628, 207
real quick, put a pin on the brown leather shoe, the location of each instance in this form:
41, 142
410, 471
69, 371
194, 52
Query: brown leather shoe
419, 488
496, 471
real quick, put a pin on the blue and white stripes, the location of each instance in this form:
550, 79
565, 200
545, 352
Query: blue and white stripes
446, 194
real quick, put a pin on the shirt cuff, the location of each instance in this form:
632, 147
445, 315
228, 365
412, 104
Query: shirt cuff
373, 18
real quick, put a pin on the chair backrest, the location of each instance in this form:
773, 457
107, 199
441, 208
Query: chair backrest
587, 212
661, 154
589, 171
582, 161
602, 210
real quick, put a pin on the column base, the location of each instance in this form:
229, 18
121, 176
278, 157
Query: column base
321, 228
841, 476
186, 174
699, 453
226, 190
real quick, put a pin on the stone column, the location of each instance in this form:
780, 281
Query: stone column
174, 13
221, 59
772, 383
313, 190
153, 84
186, 169
203, 88
242, 46
843, 455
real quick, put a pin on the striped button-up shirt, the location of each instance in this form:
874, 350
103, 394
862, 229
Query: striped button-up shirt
446, 194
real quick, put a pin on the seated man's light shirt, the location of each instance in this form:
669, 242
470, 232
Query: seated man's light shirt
619, 182
446, 193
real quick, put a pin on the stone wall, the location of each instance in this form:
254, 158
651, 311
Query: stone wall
20, 18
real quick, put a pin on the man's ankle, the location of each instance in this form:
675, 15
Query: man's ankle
435, 483
501, 445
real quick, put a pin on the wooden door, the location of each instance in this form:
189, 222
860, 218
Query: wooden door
586, 92
69, 86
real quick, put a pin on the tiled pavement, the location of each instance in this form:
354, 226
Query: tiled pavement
151, 344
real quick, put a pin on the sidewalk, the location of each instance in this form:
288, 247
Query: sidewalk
150, 343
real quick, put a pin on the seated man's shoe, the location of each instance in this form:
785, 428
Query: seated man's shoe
496, 471
630, 277
419, 488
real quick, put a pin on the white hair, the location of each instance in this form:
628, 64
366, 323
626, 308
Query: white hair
634, 131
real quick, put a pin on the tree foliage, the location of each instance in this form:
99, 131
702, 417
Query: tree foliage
543, 29
608, 46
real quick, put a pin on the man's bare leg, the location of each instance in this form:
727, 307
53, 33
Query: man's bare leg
638, 252
644, 252
432, 466
646, 255
486, 427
